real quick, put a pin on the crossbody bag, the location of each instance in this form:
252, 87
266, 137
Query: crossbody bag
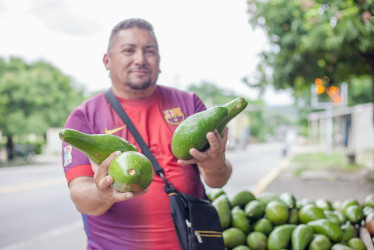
195, 220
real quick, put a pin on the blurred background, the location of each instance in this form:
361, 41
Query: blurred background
306, 68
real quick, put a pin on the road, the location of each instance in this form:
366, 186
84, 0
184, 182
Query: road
36, 212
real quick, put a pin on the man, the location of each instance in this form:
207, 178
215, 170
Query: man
116, 220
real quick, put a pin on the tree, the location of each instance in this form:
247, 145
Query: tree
330, 40
33, 98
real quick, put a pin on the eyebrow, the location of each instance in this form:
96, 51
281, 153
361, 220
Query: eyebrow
134, 45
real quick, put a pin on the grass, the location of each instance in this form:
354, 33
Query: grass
322, 161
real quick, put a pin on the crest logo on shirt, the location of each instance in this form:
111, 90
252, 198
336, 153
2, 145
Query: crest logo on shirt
174, 116
68, 158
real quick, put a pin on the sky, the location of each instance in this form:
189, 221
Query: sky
209, 40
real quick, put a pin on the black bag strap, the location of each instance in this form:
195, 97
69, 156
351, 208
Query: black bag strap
145, 149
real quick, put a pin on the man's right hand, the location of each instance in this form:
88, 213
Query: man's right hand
104, 181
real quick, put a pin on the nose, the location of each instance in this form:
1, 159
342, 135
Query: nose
139, 57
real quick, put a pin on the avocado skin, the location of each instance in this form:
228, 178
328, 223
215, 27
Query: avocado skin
234, 108
301, 237
280, 237
328, 228
191, 133
97, 147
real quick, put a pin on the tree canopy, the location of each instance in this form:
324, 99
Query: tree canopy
314, 39
33, 97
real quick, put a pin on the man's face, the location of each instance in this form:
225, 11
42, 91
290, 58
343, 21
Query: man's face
133, 60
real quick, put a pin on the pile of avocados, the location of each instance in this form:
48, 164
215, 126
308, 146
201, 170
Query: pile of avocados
269, 221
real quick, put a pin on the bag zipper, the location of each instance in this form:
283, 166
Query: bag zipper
199, 234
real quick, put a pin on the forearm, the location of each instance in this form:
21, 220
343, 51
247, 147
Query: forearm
86, 197
216, 177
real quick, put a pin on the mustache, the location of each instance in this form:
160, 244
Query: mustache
140, 68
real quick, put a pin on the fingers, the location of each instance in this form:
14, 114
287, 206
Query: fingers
102, 171
217, 145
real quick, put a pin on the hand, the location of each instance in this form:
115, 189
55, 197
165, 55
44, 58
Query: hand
104, 181
214, 156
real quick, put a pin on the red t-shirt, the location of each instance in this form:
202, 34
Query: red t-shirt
143, 222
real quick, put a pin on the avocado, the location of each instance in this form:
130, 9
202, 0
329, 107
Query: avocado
191, 133
349, 232
234, 108
289, 199
131, 172
241, 198
277, 212
221, 204
348, 203
257, 240
310, 212
264, 226
97, 147
240, 220
354, 214
214, 193
320, 242
357, 244
328, 228
341, 216
233, 237
301, 236
339, 246
330, 215
280, 237
324, 204
254, 210
369, 200
241, 247
267, 197
294, 216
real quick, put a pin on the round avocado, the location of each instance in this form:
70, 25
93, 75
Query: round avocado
277, 212
233, 237
257, 240
131, 172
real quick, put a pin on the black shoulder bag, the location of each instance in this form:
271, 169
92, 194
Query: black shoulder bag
196, 220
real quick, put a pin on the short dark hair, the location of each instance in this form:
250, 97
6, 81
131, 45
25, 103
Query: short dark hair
128, 24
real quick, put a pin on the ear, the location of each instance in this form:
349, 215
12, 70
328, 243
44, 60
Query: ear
106, 61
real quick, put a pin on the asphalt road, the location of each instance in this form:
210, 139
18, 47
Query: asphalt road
36, 212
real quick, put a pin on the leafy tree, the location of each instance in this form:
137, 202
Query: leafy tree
33, 97
331, 40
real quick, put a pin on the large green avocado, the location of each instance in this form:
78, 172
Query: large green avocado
131, 172
97, 147
191, 133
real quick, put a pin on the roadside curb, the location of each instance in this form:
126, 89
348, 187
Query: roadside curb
262, 184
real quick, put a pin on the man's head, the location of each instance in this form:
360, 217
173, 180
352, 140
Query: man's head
133, 59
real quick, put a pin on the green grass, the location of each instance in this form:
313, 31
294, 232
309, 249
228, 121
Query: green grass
322, 161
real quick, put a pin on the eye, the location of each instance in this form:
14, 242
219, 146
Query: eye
151, 52
127, 51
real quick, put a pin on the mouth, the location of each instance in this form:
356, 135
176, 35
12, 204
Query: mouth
140, 71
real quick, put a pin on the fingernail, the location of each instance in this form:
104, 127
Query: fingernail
117, 152
129, 195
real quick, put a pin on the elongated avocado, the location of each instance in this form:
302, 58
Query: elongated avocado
97, 147
234, 108
191, 133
